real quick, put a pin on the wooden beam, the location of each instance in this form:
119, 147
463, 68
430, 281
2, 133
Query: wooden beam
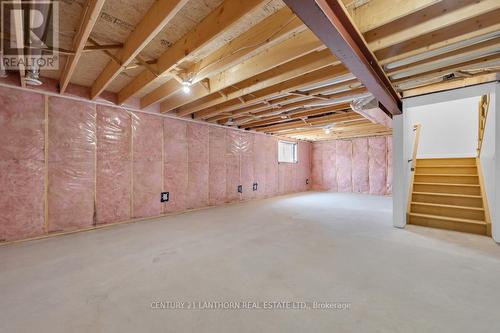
335, 118
436, 73
485, 47
228, 13
452, 84
89, 19
319, 134
348, 94
355, 128
297, 115
274, 91
425, 21
376, 13
292, 48
272, 30
329, 20
460, 31
158, 15
287, 71
360, 125
89, 48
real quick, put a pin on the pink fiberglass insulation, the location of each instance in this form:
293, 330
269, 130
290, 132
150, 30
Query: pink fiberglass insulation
360, 183
233, 157
359, 165
259, 165
217, 166
303, 174
176, 164
317, 167
21, 164
247, 167
113, 179
105, 165
285, 181
389, 165
344, 165
147, 164
197, 137
271, 148
377, 152
329, 166
72, 160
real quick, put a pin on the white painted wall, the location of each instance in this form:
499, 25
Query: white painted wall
493, 175
449, 129
399, 177
403, 143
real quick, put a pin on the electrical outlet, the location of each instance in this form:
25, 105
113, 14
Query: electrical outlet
254, 187
165, 196
240, 188
307, 181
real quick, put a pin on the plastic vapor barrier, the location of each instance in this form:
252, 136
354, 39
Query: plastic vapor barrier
22, 164
70, 165
361, 165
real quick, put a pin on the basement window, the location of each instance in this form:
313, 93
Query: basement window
287, 152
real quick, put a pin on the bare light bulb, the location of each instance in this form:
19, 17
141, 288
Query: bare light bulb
327, 131
186, 87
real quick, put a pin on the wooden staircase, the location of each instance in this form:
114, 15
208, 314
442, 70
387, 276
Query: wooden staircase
447, 193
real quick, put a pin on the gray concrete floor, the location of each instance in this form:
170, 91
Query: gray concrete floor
305, 247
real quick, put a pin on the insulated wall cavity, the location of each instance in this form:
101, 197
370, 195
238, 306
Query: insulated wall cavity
259, 165
317, 167
71, 164
271, 149
329, 166
360, 182
114, 177
377, 154
198, 163
147, 164
175, 167
234, 145
389, 165
303, 175
247, 166
361, 165
107, 164
22, 164
344, 165
217, 166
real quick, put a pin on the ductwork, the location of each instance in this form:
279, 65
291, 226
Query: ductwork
368, 107
364, 103
35, 47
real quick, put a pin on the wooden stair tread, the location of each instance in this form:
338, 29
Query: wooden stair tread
447, 184
444, 205
447, 166
449, 194
447, 174
446, 218
447, 158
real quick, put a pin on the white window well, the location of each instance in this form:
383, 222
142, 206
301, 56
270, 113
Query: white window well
287, 152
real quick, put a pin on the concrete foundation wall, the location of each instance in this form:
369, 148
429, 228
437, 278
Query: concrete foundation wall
68, 165
361, 165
